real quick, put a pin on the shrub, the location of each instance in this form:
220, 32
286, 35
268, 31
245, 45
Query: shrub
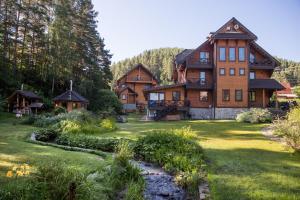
108, 124
89, 142
289, 128
50, 181
30, 119
255, 115
176, 152
46, 135
59, 110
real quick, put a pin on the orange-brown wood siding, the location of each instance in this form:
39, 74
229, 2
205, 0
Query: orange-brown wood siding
194, 97
235, 82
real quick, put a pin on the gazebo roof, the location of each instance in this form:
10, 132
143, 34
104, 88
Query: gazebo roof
72, 96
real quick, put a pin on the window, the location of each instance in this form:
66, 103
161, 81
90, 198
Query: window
203, 95
252, 75
175, 95
238, 95
161, 96
123, 96
204, 57
251, 58
231, 54
202, 78
252, 96
226, 95
222, 71
147, 86
157, 96
74, 105
242, 71
241, 54
232, 72
222, 54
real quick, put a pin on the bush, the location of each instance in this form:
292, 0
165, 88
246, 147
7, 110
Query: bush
177, 152
108, 124
46, 135
29, 120
255, 115
59, 110
89, 142
289, 128
50, 181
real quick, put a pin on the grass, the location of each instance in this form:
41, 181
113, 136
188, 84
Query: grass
242, 163
15, 150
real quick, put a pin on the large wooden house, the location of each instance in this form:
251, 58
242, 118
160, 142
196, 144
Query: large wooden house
130, 86
223, 76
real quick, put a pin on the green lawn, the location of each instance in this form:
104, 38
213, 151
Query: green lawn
242, 163
14, 150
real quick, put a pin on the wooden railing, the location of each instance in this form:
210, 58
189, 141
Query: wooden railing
201, 83
263, 62
165, 103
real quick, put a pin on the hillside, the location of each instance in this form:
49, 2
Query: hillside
160, 63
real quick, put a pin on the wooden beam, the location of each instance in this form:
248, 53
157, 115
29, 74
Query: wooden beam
264, 100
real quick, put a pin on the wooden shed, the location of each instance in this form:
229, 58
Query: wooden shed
25, 102
70, 100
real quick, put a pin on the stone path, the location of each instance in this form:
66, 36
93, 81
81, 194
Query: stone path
158, 184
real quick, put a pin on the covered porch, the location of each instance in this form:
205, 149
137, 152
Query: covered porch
261, 91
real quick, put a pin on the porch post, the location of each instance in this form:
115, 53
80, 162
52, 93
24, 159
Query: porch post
264, 100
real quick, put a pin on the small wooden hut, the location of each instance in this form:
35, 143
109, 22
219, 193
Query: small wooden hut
70, 100
25, 102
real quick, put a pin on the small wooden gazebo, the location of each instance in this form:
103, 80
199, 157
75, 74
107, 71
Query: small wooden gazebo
23, 102
70, 100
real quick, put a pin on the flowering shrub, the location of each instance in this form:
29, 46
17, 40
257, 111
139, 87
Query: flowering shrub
108, 124
18, 170
255, 115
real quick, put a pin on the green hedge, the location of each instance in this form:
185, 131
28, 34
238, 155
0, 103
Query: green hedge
255, 115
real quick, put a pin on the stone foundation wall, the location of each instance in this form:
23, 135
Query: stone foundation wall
228, 113
201, 113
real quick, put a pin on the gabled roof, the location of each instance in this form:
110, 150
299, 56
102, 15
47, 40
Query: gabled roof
135, 67
180, 58
70, 95
127, 88
264, 52
24, 93
235, 21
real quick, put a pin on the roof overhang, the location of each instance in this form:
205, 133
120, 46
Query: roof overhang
270, 84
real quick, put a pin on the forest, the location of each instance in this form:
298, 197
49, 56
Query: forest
45, 43
160, 63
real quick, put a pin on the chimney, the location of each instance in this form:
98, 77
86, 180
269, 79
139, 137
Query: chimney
71, 85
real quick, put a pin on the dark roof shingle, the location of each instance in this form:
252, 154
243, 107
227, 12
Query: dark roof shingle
265, 84
27, 94
70, 95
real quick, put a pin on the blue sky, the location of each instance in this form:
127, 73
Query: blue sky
132, 26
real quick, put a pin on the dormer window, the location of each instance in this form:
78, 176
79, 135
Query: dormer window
204, 57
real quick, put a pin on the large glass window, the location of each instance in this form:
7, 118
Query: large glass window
203, 95
252, 96
231, 54
252, 75
154, 96
222, 54
204, 56
226, 95
176, 96
123, 96
241, 54
239, 95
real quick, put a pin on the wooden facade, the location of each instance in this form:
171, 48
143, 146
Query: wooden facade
70, 100
229, 71
130, 87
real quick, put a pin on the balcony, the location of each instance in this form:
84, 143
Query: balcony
203, 63
139, 79
261, 64
160, 105
197, 83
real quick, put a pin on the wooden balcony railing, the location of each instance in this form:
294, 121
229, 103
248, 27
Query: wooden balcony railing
199, 83
166, 103
264, 62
